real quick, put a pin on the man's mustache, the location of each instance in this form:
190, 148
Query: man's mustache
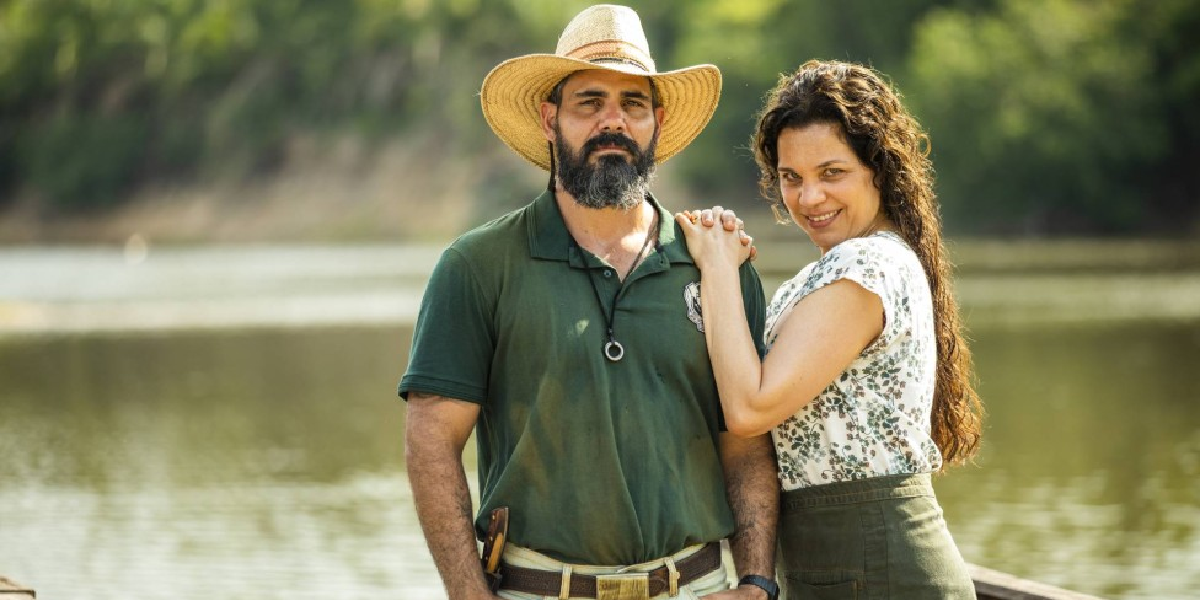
610, 139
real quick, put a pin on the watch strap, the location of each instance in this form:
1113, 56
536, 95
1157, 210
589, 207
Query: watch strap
768, 585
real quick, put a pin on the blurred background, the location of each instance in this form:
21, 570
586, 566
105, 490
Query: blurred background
217, 218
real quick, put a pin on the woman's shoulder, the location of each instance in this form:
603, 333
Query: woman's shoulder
869, 260
881, 244
879, 250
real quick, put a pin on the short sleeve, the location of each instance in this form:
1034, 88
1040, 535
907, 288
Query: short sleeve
755, 305
867, 262
453, 341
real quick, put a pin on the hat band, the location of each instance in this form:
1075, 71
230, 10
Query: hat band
618, 60
613, 51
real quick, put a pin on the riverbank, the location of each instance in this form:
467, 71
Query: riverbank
140, 287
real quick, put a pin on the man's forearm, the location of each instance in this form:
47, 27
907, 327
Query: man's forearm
753, 490
443, 503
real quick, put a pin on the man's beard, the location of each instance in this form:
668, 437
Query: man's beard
612, 180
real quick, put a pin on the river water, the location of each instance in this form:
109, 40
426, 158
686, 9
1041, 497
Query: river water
242, 455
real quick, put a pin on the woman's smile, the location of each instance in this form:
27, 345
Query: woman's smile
823, 220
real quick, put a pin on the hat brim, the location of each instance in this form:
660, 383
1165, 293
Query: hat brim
513, 92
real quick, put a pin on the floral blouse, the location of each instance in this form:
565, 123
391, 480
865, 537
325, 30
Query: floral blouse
874, 419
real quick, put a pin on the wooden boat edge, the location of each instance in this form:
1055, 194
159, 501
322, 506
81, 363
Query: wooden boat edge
996, 585
989, 585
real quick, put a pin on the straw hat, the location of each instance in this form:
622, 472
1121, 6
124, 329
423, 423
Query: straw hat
601, 37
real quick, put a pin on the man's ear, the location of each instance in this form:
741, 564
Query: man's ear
548, 118
660, 113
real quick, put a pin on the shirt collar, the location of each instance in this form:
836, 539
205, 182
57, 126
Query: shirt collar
550, 240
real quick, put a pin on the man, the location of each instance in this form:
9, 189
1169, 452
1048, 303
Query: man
568, 333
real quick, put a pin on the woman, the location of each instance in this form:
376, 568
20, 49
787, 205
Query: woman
866, 386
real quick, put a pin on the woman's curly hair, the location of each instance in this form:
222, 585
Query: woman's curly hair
887, 139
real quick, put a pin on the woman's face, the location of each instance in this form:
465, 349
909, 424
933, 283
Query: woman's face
827, 191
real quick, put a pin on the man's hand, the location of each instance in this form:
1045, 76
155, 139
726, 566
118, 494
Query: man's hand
745, 592
485, 595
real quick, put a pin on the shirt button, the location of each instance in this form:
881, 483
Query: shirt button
608, 273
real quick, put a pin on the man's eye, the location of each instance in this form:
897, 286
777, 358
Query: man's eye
830, 172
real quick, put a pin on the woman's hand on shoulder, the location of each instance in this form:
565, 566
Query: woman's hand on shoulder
711, 245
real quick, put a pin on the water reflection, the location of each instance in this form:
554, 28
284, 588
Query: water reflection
194, 409
1089, 476
268, 464
263, 465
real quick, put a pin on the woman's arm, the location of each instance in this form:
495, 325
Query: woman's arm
824, 333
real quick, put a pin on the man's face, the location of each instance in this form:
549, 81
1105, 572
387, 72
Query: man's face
604, 132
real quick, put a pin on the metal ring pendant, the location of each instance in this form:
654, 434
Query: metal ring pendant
614, 351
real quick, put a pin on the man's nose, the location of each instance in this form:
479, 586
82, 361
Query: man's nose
612, 118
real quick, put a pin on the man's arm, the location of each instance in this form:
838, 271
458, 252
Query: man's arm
753, 490
437, 429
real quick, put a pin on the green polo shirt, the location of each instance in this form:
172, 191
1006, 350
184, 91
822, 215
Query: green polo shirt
600, 462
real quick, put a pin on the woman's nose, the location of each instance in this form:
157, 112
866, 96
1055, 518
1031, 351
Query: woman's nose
811, 194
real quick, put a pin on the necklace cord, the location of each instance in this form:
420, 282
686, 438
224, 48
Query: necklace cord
611, 316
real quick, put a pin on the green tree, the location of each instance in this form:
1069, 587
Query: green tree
756, 42
1048, 116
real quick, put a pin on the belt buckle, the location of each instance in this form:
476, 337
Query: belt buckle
623, 586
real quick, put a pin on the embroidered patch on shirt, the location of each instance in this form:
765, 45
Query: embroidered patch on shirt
691, 297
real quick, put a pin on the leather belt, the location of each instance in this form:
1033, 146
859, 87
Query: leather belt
549, 583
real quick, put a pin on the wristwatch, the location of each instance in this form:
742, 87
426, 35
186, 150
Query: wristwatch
768, 585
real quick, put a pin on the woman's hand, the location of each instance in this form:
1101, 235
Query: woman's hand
713, 246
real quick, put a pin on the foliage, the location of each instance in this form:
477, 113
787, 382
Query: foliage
1047, 115
85, 161
1055, 116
